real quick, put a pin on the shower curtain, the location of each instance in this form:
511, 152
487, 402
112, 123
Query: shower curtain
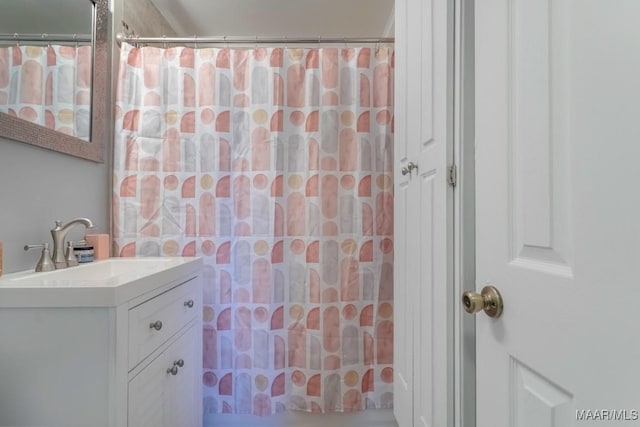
275, 166
48, 85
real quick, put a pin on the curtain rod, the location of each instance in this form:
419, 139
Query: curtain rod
45, 38
248, 41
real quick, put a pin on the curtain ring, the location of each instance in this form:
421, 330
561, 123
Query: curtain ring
256, 45
164, 42
345, 42
16, 38
195, 39
226, 44
75, 39
319, 41
138, 41
286, 43
45, 37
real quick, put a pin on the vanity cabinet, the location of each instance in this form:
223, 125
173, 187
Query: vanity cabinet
115, 352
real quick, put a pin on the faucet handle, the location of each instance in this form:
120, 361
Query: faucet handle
71, 258
45, 263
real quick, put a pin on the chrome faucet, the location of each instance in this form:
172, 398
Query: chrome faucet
59, 234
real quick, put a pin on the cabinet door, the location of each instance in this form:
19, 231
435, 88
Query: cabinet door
148, 394
165, 393
183, 406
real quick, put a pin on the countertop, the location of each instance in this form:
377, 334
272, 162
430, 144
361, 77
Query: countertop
105, 283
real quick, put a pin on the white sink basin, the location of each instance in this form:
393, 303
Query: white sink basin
102, 283
95, 272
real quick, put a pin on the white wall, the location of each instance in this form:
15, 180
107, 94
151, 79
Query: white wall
38, 186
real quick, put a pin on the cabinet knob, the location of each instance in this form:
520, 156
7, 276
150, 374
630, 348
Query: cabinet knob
173, 370
157, 325
189, 303
179, 363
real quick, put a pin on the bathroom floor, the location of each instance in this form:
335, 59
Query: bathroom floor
369, 418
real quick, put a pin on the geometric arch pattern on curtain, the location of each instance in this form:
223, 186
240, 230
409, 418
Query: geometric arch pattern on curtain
275, 166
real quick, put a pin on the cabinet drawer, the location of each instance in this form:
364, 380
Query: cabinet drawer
153, 322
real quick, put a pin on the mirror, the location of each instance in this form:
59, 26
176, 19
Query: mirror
69, 42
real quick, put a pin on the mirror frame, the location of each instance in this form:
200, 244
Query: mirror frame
20, 130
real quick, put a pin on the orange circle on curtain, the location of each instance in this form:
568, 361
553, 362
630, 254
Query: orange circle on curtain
296, 312
384, 182
33, 51
260, 116
208, 248
65, 116
385, 310
171, 117
349, 312
297, 118
260, 181
170, 247
261, 314
207, 116
171, 182
295, 54
261, 382
206, 182
298, 378
261, 247
351, 378
205, 53
349, 246
387, 375
297, 246
208, 313
347, 118
348, 182
386, 246
295, 182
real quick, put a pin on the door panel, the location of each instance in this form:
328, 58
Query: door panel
557, 230
423, 212
536, 401
403, 382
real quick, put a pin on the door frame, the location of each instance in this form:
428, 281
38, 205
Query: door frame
464, 275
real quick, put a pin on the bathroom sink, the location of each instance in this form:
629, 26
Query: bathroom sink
95, 272
100, 283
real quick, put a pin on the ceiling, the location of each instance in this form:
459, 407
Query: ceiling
51, 16
279, 18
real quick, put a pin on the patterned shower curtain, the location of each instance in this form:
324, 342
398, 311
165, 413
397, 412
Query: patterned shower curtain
274, 166
49, 86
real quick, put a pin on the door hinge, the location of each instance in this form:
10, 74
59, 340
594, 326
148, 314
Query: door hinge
453, 175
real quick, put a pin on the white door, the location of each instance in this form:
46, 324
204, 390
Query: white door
558, 211
423, 307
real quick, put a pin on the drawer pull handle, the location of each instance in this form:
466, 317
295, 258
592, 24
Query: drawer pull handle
157, 325
173, 370
189, 303
179, 363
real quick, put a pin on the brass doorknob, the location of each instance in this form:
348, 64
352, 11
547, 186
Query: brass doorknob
489, 300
